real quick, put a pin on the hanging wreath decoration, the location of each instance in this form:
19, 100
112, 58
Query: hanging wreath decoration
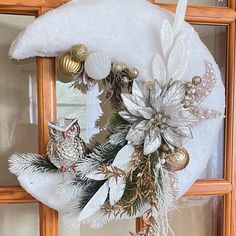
133, 172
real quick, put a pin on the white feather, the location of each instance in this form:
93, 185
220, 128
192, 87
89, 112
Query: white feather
95, 175
117, 188
185, 36
176, 59
159, 70
180, 15
167, 37
94, 204
123, 157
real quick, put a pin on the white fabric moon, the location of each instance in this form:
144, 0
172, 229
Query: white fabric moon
129, 32
43, 187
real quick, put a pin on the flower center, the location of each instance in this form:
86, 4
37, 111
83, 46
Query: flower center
160, 120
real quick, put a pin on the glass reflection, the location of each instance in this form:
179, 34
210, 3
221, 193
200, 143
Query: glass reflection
115, 228
202, 216
20, 220
215, 39
18, 105
222, 3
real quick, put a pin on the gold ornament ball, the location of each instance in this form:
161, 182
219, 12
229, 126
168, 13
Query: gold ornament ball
79, 52
187, 103
133, 73
188, 92
118, 68
68, 65
197, 80
165, 148
177, 160
125, 80
189, 85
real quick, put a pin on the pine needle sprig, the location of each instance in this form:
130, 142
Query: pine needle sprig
30, 163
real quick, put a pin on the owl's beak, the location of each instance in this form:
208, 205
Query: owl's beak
64, 135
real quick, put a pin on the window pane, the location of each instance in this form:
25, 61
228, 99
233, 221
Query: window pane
115, 228
199, 216
72, 103
222, 3
20, 220
18, 119
215, 39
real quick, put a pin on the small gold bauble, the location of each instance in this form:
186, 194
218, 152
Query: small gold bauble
189, 85
125, 80
177, 160
79, 52
118, 68
68, 65
187, 103
188, 92
165, 148
197, 80
133, 73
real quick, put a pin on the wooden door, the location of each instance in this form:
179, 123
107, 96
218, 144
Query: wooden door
216, 194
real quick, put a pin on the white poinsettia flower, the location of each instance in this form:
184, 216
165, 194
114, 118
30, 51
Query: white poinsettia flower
157, 114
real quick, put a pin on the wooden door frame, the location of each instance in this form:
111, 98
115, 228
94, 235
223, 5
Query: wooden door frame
47, 112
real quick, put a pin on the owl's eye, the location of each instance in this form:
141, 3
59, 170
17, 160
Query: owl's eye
73, 129
54, 131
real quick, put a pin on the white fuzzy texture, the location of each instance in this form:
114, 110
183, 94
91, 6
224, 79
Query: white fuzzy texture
43, 187
129, 32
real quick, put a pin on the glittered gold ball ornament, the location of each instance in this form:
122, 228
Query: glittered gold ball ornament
177, 160
125, 80
118, 68
187, 103
79, 52
189, 85
133, 73
68, 65
197, 80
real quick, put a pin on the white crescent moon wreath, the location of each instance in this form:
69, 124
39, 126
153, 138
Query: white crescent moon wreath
167, 101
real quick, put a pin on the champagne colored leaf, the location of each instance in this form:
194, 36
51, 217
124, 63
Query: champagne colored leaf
128, 117
171, 138
143, 125
155, 96
174, 95
184, 131
146, 112
135, 136
140, 90
132, 103
152, 141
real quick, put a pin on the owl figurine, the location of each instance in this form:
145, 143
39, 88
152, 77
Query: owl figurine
65, 147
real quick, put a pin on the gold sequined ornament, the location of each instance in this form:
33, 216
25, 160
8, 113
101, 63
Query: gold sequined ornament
68, 65
133, 73
177, 160
197, 80
79, 52
118, 68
